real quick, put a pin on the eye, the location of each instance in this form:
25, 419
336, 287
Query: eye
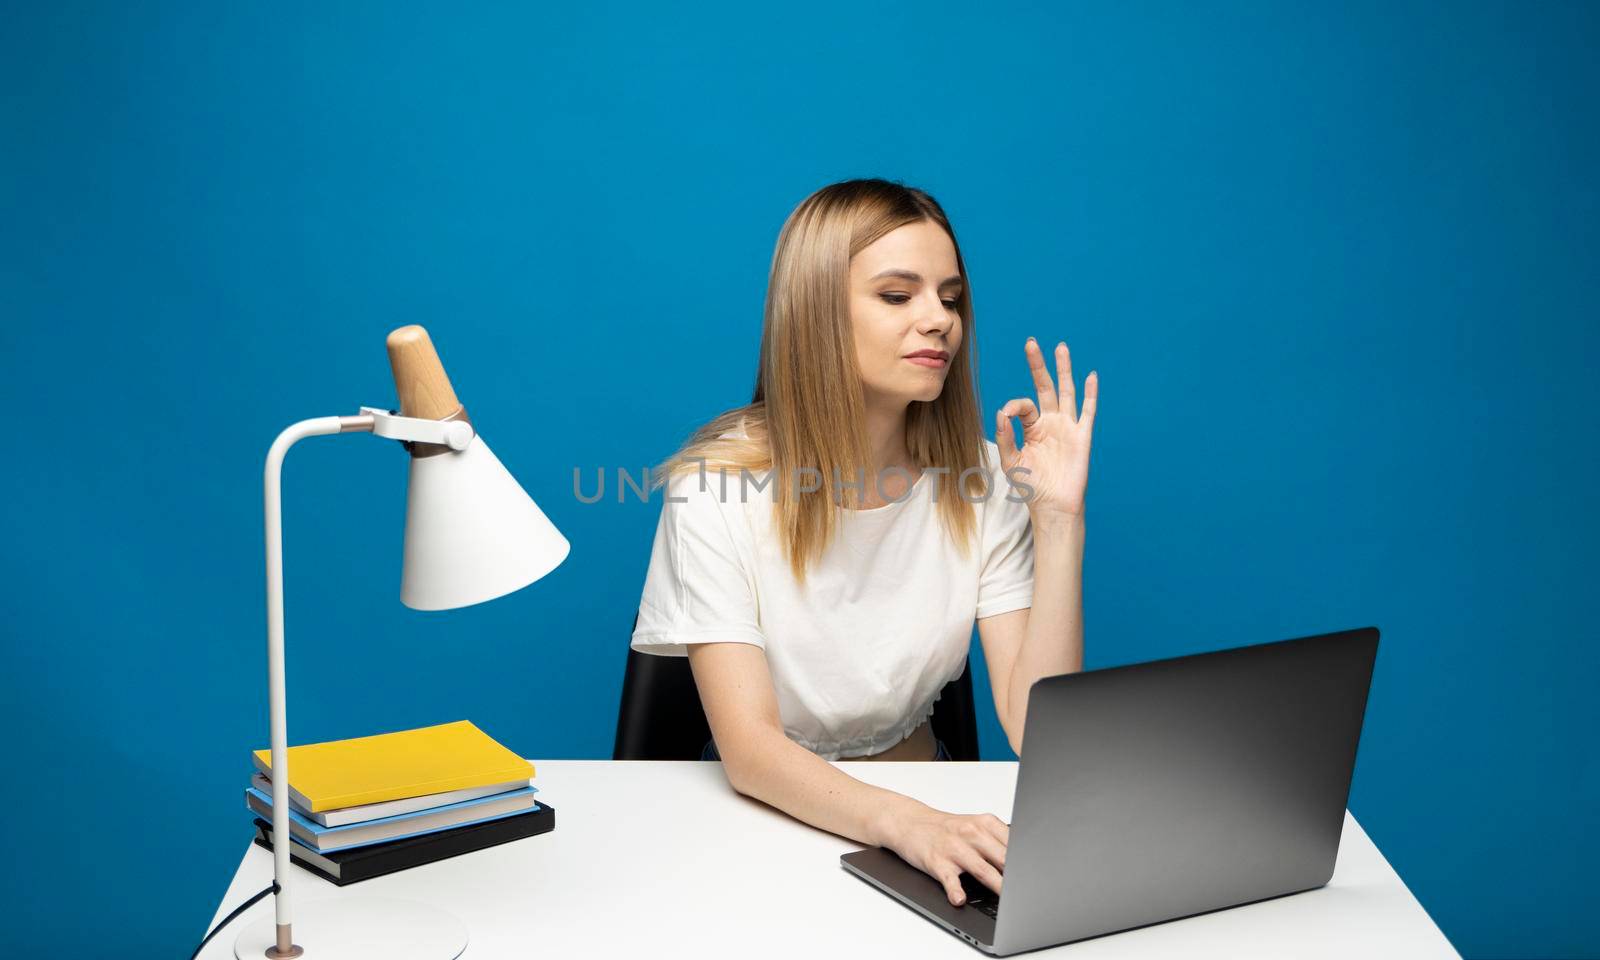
899, 298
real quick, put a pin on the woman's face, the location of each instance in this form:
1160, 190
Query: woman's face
903, 293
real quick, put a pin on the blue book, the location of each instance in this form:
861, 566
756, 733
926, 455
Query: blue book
328, 839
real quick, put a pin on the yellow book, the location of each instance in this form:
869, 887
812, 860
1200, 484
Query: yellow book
394, 766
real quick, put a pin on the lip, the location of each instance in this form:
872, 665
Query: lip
934, 359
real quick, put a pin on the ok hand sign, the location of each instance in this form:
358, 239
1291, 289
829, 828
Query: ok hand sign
1055, 450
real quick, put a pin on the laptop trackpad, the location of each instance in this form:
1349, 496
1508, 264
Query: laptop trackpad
884, 869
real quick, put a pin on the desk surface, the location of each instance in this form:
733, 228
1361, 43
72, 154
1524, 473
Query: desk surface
664, 859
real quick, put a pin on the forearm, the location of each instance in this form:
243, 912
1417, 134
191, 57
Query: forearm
1053, 641
770, 767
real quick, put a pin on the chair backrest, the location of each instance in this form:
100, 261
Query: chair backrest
660, 717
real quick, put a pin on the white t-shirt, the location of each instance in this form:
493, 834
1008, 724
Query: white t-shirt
858, 654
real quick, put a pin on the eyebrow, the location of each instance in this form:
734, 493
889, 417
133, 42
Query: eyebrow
915, 277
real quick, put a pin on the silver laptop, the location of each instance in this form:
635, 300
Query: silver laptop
1162, 790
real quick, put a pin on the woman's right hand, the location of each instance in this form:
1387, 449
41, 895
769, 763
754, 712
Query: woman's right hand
944, 845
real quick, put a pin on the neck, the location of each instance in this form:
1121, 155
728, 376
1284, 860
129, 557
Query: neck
886, 437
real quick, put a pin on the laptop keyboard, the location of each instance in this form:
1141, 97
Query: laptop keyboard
980, 897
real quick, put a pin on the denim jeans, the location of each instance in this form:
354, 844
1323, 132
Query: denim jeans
710, 751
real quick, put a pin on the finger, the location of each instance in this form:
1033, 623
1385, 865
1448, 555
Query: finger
997, 828
1069, 389
950, 875
992, 849
1041, 376
973, 862
1024, 408
1005, 437
1091, 399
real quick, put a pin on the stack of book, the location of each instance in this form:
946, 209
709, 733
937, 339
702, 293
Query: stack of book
372, 805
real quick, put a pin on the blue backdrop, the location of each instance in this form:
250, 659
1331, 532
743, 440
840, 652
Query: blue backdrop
1336, 265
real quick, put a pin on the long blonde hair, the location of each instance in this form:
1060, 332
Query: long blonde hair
808, 407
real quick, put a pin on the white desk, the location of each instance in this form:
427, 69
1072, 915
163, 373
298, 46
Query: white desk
665, 860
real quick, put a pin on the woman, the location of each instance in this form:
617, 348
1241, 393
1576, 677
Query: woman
824, 550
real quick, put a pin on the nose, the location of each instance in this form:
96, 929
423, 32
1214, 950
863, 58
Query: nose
934, 317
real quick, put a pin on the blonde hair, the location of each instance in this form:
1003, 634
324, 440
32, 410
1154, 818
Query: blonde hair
808, 408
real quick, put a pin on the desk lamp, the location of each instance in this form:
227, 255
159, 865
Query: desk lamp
472, 534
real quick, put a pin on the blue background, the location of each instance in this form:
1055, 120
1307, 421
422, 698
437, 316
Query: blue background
1336, 265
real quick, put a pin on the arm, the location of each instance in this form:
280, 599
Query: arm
1023, 645
762, 762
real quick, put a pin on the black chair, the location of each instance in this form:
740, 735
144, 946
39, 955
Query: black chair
660, 717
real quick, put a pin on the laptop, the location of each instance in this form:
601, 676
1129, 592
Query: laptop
1161, 790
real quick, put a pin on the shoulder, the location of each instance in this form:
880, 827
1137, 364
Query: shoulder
713, 495
998, 481
691, 489
991, 456
1007, 495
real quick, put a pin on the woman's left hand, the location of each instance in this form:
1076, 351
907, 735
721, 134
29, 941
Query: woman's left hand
1055, 438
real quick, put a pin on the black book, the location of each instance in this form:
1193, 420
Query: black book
375, 860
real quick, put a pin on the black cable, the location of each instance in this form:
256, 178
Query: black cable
242, 908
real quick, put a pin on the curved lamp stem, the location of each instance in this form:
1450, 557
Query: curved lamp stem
281, 838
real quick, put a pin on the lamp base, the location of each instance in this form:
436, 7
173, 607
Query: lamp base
359, 928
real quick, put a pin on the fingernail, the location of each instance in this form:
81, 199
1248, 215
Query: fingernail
1030, 339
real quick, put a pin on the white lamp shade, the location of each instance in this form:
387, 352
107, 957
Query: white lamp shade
472, 532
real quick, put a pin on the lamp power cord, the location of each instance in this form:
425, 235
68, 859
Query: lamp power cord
224, 921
